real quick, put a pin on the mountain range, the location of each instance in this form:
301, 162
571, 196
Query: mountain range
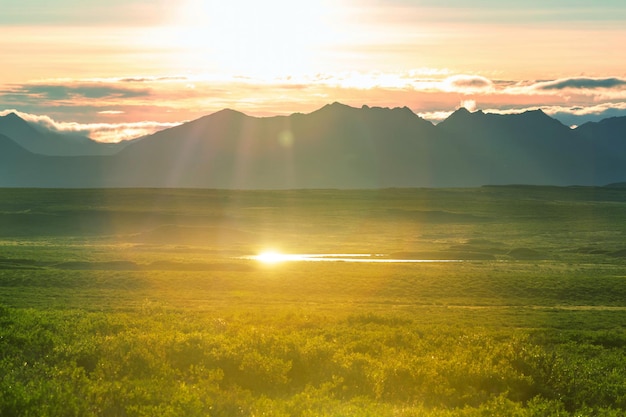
336, 146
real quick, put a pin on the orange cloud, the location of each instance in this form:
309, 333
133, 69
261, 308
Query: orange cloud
468, 84
113, 109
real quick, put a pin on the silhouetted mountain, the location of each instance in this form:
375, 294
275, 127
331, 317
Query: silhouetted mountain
336, 146
16, 163
11, 150
608, 135
608, 138
529, 147
21, 168
339, 146
613, 128
43, 141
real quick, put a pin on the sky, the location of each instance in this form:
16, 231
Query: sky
118, 69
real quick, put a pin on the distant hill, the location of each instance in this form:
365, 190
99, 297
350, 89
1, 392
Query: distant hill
339, 146
39, 140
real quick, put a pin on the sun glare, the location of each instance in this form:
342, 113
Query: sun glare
269, 38
274, 257
271, 257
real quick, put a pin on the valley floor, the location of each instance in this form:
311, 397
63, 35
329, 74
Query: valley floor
149, 302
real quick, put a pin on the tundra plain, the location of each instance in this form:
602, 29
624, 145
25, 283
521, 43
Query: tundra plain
142, 302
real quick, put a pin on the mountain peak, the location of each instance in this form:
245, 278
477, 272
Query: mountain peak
464, 112
396, 110
228, 111
460, 117
220, 114
336, 106
536, 113
539, 116
13, 117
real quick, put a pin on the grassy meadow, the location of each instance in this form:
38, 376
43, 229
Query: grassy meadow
141, 302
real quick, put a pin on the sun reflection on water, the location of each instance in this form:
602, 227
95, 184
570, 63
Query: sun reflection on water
274, 257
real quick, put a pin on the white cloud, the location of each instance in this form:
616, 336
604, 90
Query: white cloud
102, 132
435, 116
111, 112
469, 104
117, 132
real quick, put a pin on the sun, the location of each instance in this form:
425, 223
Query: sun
259, 38
271, 257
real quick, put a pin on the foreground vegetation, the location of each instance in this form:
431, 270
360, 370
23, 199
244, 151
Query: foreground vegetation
137, 303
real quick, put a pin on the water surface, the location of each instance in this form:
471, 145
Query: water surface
275, 257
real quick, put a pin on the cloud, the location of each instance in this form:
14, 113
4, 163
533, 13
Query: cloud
354, 80
573, 89
193, 94
468, 84
152, 79
102, 132
111, 112
469, 104
90, 91
435, 116
571, 115
568, 115
117, 132
579, 115
580, 83
114, 109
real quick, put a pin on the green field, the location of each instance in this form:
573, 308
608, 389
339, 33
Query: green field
140, 302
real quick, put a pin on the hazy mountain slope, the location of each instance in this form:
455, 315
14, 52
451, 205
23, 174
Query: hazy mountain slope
17, 165
613, 128
39, 140
336, 146
608, 135
21, 168
530, 147
608, 141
